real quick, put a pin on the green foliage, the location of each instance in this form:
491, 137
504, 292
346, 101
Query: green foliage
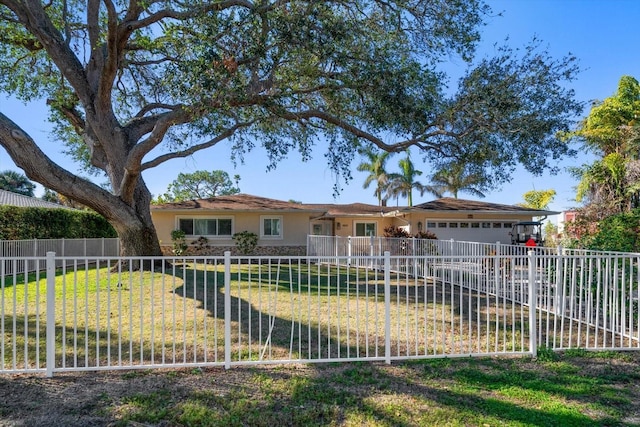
375, 166
16, 183
612, 125
426, 235
17, 223
200, 185
611, 184
550, 233
456, 177
178, 78
393, 231
50, 196
179, 242
538, 199
403, 183
246, 242
619, 232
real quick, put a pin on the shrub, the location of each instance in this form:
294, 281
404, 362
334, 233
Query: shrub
19, 223
619, 232
426, 235
393, 231
246, 242
179, 242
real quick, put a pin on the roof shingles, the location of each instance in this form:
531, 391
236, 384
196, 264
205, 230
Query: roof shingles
8, 198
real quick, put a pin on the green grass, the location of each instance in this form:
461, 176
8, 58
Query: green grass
132, 310
304, 311
569, 391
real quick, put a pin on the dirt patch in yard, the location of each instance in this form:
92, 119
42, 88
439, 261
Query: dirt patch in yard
600, 388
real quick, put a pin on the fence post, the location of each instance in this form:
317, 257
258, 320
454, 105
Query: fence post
371, 245
533, 305
497, 264
51, 313
387, 307
558, 294
227, 309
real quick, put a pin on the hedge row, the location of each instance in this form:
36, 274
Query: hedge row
17, 223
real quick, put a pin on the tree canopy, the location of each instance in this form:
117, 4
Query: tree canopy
200, 185
611, 184
609, 188
538, 199
455, 178
130, 86
16, 183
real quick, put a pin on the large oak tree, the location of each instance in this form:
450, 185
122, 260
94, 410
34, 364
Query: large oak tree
133, 84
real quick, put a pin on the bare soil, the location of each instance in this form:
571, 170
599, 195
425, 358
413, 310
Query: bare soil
97, 398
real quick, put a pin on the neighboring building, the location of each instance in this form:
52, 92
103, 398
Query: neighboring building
565, 218
7, 198
283, 227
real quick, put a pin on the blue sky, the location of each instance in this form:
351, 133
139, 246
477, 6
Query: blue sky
602, 34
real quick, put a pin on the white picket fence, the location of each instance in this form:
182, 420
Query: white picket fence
96, 313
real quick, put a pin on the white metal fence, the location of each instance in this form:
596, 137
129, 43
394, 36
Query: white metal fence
19, 250
94, 313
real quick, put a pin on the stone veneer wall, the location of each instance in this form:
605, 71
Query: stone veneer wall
260, 251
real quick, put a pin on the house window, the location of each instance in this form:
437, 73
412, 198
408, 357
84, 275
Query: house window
318, 230
271, 226
217, 227
475, 225
431, 224
366, 229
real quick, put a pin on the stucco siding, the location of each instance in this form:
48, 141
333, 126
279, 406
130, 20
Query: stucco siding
294, 226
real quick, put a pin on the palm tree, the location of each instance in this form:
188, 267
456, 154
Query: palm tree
538, 199
16, 183
403, 183
453, 179
376, 168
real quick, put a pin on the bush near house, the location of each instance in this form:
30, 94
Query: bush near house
19, 223
620, 232
393, 231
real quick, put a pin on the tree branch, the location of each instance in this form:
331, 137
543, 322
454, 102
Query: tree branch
39, 167
195, 148
397, 147
181, 16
